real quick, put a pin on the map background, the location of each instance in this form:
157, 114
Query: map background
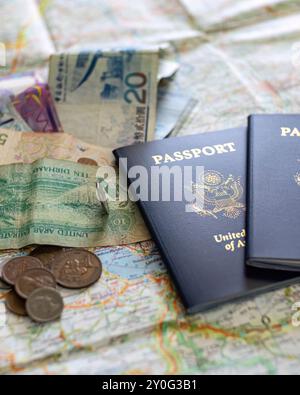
236, 58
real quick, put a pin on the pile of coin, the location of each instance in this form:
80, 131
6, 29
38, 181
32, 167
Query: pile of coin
34, 279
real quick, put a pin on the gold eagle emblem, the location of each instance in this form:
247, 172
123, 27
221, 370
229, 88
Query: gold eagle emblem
220, 195
297, 178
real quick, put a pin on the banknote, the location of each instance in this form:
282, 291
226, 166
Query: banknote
36, 106
9, 118
106, 98
28, 147
55, 202
10, 86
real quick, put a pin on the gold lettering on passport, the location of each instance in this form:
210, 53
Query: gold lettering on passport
290, 132
192, 153
232, 240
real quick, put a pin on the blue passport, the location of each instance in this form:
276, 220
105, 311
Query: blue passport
202, 243
274, 192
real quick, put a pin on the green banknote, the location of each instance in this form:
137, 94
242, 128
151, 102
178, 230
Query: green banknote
55, 202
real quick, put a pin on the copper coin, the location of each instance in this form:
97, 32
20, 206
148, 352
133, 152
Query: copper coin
3, 284
44, 305
47, 254
16, 266
87, 161
15, 304
77, 269
33, 279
